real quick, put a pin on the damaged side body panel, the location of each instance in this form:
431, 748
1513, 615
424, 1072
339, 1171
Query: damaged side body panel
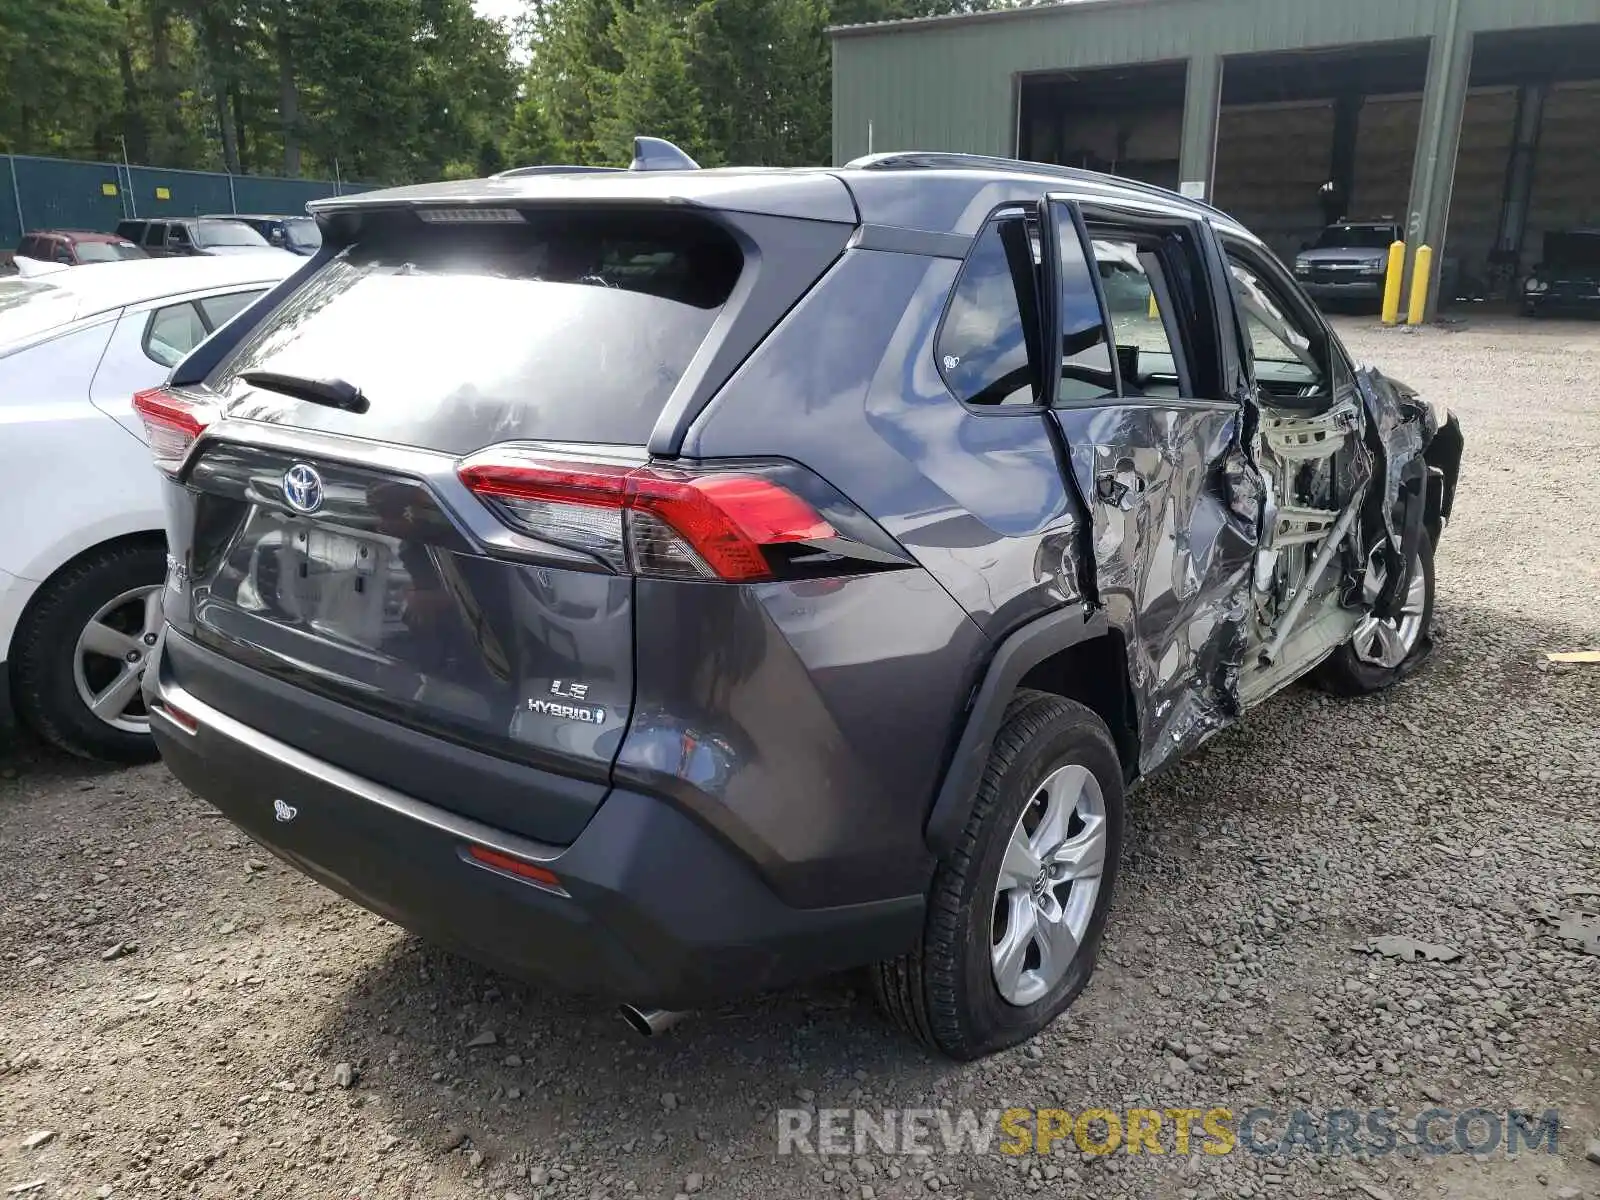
1316, 472
1236, 545
1174, 535
1161, 466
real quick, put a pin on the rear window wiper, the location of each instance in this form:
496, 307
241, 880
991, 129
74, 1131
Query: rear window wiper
332, 393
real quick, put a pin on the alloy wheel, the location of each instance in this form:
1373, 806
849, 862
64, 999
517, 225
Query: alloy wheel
109, 660
1049, 881
1388, 643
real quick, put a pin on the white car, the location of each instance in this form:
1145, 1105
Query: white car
82, 548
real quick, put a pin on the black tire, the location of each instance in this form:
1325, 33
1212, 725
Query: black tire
1343, 673
45, 643
943, 992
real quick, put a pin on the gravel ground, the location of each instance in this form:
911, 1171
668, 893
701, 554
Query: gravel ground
189, 1017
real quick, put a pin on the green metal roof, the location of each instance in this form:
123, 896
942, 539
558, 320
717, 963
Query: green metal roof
959, 18
949, 83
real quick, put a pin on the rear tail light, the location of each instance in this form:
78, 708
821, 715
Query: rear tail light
171, 424
739, 524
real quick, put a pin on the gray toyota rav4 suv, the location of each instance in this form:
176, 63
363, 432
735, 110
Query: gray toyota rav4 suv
671, 583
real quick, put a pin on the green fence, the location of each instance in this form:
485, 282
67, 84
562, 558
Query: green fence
59, 193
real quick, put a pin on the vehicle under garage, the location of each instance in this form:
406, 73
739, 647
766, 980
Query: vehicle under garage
1469, 122
1311, 137
1527, 166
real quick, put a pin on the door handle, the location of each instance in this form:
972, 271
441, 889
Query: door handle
1120, 488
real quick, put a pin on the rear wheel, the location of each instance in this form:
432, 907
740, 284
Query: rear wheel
1016, 913
1382, 652
79, 654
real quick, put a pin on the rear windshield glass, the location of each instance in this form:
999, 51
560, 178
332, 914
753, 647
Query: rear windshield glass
108, 251
227, 233
571, 327
29, 306
1568, 249
303, 233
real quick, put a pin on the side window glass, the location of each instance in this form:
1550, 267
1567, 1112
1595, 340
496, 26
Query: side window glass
63, 253
1148, 353
1087, 373
155, 233
1282, 350
986, 350
179, 235
173, 332
221, 309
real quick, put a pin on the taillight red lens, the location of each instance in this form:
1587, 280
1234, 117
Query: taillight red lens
653, 520
171, 424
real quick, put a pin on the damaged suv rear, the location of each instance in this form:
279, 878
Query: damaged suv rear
673, 584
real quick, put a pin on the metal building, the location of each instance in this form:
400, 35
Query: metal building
1476, 123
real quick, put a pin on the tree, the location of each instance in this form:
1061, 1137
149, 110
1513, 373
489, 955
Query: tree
758, 66
394, 91
744, 81
655, 92
531, 139
60, 76
467, 84
573, 59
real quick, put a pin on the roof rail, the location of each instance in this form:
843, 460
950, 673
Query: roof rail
949, 160
548, 169
658, 154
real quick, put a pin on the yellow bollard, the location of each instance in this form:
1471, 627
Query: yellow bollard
1393, 282
1421, 277
1155, 313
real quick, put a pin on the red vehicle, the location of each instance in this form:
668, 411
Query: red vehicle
75, 247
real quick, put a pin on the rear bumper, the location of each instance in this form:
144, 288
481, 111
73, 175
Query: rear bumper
652, 908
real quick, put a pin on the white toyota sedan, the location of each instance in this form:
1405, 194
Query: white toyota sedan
82, 548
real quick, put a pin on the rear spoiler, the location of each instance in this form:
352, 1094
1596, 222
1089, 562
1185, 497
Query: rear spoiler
649, 154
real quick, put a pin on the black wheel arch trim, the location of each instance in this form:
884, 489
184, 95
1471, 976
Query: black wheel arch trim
1017, 654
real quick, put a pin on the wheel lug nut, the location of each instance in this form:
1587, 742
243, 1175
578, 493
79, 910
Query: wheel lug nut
149, 639
133, 656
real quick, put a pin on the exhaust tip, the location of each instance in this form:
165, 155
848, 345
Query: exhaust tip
649, 1022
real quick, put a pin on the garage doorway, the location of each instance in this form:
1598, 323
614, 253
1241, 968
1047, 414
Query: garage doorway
1125, 121
1527, 165
1311, 137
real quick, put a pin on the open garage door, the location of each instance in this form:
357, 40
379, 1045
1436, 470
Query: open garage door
1124, 121
1527, 166
1311, 137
